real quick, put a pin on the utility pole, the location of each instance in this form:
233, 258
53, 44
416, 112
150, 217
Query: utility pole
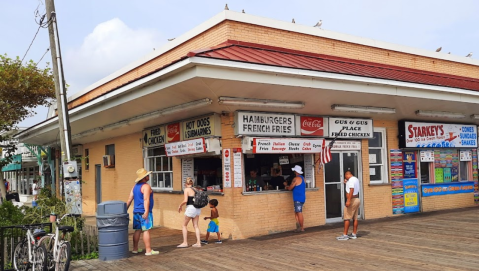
60, 90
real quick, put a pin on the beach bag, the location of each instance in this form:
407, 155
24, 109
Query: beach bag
201, 199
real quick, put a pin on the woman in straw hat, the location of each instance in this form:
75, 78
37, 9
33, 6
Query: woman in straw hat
142, 195
191, 213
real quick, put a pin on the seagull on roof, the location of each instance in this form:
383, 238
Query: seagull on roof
438, 49
243, 11
318, 24
171, 39
469, 55
226, 7
293, 21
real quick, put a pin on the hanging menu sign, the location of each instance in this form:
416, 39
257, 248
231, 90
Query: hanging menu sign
350, 128
465, 155
154, 137
186, 147
427, 156
227, 167
436, 135
269, 124
286, 145
345, 145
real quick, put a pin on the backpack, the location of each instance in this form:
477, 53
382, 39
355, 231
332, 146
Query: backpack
201, 199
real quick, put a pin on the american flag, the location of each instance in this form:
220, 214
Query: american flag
325, 155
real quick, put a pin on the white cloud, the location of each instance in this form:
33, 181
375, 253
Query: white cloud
110, 46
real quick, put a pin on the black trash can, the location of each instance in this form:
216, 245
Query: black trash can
112, 221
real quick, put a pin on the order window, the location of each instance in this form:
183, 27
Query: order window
161, 177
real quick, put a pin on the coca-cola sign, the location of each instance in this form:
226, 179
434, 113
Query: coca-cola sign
314, 126
173, 132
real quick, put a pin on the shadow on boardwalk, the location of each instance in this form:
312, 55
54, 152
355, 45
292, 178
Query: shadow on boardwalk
445, 240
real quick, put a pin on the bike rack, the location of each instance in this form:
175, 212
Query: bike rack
10, 236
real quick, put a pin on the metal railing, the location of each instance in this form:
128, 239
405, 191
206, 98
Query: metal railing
10, 236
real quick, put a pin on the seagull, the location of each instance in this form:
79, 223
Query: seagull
171, 39
438, 49
469, 55
243, 11
449, 53
226, 7
318, 24
293, 21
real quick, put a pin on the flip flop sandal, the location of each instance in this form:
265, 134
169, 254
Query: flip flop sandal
137, 251
152, 252
196, 245
182, 246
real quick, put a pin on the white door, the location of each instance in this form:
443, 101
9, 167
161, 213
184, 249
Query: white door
335, 197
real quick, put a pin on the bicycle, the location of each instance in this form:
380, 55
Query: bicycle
29, 252
58, 250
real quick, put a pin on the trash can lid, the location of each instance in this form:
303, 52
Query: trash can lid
111, 208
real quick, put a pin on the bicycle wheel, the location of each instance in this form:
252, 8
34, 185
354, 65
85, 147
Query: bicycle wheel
64, 257
20, 257
49, 241
39, 258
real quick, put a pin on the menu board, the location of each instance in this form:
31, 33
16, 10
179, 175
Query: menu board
227, 167
397, 181
308, 169
187, 170
238, 169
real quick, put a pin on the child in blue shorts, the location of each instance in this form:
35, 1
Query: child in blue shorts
214, 225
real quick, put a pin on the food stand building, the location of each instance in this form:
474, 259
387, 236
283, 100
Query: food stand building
241, 94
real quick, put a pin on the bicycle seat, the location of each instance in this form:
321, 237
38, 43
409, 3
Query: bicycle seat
40, 233
66, 229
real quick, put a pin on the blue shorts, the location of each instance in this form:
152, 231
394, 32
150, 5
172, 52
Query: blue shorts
142, 224
298, 207
213, 226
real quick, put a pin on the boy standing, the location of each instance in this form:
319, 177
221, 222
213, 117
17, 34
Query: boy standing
213, 226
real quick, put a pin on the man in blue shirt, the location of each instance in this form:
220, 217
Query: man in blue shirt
142, 195
299, 196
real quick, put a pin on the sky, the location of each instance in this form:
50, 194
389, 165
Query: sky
99, 37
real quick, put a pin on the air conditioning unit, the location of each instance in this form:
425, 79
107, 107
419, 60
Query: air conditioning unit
109, 161
77, 150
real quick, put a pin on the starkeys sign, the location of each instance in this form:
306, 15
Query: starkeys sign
436, 135
286, 145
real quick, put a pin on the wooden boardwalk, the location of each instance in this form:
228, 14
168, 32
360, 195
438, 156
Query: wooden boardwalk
433, 241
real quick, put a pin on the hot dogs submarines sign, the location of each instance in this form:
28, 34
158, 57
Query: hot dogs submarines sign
437, 135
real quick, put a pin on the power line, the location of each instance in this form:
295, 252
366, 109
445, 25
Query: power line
34, 37
48, 49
